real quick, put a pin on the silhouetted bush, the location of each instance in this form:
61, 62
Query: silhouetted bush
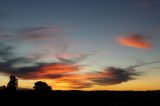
42, 86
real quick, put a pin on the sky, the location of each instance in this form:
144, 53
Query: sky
81, 44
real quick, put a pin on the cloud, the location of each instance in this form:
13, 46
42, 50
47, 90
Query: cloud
63, 71
32, 66
76, 81
71, 57
38, 33
46, 39
60, 71
112, 76
30, 33
12, 64
4, 37
39, 29
47, 71
135, 40
142, 64
109, 76
8, 60
76, 84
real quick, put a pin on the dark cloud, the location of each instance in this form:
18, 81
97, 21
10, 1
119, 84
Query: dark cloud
6, 52
8, 60
9, 64
112, 75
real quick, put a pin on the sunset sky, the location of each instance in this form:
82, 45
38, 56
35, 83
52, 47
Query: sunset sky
81, 44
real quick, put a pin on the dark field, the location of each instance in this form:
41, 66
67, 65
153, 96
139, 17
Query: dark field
107, 98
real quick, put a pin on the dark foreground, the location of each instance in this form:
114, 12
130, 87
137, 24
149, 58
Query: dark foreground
106, 98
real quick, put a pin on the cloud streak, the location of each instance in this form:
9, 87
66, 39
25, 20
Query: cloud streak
71, 57
30, 33
139, 65
134, 40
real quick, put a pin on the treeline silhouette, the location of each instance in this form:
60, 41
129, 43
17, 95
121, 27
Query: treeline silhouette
43, 95
13, 85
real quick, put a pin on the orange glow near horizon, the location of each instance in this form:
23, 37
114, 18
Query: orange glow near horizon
138, 84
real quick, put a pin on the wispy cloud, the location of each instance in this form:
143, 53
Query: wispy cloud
30, 33
71, 57
142, 64
77, 84
134, 40
39, 29
39, 33
76, 81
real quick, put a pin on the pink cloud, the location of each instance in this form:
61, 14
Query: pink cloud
134, 40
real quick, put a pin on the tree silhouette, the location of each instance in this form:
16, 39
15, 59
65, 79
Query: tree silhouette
12, 84
42, 86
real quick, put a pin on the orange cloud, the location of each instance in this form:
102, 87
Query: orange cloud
58, 68
76, 81
134, 40
82, 81
52, 71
